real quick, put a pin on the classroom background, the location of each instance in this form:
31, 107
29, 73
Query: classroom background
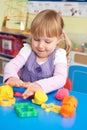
17, 16
74, 15
15, 112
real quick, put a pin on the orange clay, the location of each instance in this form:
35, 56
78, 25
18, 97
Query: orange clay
68, 106
70, 100
67, 111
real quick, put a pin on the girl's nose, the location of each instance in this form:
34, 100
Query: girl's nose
41, 44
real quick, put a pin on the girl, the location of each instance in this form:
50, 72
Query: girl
41, 65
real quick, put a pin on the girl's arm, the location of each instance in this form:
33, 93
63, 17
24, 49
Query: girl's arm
12, 68
52, 83
59, 77
57, 81
49, 84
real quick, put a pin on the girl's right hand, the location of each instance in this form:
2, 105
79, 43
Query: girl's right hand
14, 81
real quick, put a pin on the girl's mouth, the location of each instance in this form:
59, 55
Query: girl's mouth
40, 50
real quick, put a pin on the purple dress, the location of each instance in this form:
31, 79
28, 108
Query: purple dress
32, 71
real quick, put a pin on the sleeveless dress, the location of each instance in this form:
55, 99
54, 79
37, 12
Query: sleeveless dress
32, 71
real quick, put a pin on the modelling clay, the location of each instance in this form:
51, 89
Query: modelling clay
17, 94
40, 98
6, 91
68, 107
61, 93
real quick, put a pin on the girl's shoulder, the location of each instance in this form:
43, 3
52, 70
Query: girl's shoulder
25, 50
60, 51
60, 56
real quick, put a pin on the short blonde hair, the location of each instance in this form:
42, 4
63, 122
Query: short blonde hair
50, 23
47, 22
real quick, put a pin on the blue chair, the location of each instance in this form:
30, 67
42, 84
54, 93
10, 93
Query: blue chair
1, 80
78, 77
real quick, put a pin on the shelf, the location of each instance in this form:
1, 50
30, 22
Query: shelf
77, 58
6, 57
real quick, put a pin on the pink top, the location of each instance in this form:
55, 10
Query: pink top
49, 84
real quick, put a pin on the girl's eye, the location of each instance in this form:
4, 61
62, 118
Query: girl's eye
36, 39
48, 42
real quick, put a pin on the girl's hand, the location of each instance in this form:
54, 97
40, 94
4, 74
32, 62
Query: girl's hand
14, 81
31, 89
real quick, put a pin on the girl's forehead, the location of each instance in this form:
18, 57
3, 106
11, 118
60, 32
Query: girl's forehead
44, 34
42, 37
45, 37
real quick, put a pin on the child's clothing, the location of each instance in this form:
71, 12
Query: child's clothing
32, 71
50, 75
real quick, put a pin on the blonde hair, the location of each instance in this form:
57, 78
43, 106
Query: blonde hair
50, 23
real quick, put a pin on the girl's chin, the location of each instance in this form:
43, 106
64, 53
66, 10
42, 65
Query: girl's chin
41, 53
42, 56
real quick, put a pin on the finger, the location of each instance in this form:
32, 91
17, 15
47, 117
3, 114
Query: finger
27, 94
20, 84
26, 84
11, 84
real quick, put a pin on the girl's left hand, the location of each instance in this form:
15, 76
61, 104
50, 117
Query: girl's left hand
31, 89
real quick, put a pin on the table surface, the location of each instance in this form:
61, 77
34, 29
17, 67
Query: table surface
45, 120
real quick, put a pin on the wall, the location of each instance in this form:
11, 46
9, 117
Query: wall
3, 9
76, 27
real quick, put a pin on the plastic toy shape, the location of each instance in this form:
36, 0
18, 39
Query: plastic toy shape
25, 110
69, 105
61, 93
56, 109
40, 98
47, 107
7, 101
51, 107
6, 91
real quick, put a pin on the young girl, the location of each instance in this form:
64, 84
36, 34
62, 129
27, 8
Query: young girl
41, 65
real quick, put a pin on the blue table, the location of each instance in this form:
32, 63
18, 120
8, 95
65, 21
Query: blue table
46, 121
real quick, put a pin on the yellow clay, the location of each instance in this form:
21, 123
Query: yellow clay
6, 91
40, 98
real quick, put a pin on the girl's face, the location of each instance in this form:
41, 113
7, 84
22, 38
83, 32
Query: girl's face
44, 46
